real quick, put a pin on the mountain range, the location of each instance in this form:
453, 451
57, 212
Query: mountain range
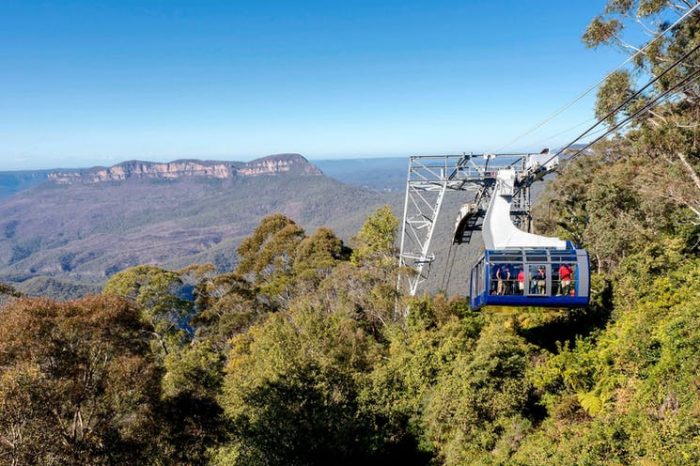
64, 232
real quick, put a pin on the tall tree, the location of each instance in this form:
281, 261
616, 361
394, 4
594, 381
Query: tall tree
643, 184
667, 137
365, 286
376, 240
291, 389
227, 304
156, 292
315, 258
267, 256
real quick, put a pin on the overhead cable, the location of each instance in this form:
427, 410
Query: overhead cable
646, 107
594, 86
632, 97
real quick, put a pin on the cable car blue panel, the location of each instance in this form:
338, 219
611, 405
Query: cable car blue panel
556, 278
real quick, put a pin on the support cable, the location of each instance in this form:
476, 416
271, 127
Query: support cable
544, 142
447, 262
629, 99
624, 104
449, 274
649, 105
594, 86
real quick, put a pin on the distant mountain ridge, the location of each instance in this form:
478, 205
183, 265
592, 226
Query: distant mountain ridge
64, 232
270, 165
380, 174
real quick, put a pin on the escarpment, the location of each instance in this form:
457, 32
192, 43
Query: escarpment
270, 165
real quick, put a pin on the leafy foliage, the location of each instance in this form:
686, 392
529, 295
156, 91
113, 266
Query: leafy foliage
7, 293
78, 384
376, 239
291, 388
155, 292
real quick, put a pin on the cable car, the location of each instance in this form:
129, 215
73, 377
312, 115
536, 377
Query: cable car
544, 277
519, 268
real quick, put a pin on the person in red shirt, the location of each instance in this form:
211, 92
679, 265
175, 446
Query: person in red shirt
565, 273
521, 281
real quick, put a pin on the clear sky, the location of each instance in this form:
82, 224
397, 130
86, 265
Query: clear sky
100, 81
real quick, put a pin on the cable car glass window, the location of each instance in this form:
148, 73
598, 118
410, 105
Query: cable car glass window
494, 280
480, 277
506, 257
534, 257
503, 279
564, 279
563, 256
517, 280
538, 279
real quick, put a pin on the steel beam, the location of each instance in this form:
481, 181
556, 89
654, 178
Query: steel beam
429, 180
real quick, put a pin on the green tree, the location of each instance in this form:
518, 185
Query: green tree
291, 390
376, 240
9, 290
665, 137
155, 292
478, 412
227, 304
192, 421
622, 395
315, 258
190, 418
267, 256
419, 352
7, 293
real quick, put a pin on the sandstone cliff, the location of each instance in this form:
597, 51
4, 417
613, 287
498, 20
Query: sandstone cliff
270, 165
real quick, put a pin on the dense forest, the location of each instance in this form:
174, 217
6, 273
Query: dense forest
306, 354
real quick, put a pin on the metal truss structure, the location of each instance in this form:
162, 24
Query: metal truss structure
431, 178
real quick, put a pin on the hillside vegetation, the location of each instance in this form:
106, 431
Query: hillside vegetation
76, 236
304, 354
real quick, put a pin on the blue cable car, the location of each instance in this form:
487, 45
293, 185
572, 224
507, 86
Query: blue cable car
536, 277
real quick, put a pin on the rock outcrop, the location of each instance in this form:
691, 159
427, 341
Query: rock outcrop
276, 164
270, 165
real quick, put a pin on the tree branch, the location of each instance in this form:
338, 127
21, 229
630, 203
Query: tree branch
647, 30
689, 168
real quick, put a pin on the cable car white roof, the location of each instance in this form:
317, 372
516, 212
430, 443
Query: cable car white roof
498, 229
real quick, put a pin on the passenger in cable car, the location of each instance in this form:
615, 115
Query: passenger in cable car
503, 279
521, 281
563, 283
565, 279
508, 283
499, 280
538, 279
496, 271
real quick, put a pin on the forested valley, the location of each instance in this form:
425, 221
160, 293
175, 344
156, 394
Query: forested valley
306, 353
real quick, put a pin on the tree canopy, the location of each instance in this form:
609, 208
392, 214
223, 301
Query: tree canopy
78, 383
297, 356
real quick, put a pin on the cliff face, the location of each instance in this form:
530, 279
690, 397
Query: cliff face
276, 164
270, 165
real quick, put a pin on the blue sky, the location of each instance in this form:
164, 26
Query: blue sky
98, 82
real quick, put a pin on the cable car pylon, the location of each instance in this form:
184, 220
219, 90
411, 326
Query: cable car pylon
430, 178
496, 188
